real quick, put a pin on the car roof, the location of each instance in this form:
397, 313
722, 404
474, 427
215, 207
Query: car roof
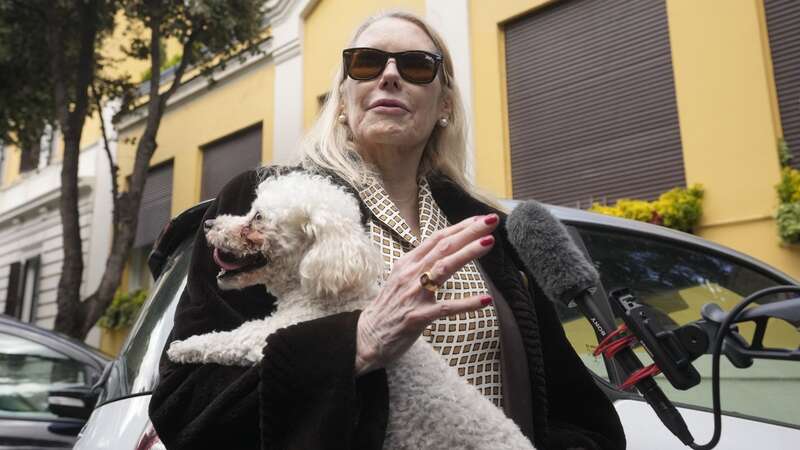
61, 342
587, 219
189, 220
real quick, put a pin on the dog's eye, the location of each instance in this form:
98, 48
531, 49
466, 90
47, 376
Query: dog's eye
257, 216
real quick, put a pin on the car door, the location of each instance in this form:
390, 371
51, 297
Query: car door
31, 366
677, 277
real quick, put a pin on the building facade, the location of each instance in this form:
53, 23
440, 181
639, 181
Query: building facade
31, 248
570, 101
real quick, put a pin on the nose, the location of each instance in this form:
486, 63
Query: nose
390, 75
208, 224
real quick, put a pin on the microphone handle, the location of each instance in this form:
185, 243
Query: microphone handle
629, 362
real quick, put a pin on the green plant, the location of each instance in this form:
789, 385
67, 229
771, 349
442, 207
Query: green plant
789, 186
784, 155
789, 222
123, 310
678, 208
681, 208
174, 60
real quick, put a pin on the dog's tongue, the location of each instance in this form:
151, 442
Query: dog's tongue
223, 264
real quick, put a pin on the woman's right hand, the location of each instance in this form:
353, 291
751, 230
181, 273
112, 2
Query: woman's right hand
391, 323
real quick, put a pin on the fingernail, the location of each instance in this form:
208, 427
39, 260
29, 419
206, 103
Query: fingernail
491, 219
486, 300
487, 241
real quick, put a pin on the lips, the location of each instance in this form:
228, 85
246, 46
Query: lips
388, 103
232, 264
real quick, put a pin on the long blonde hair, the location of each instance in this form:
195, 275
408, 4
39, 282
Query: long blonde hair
328, 145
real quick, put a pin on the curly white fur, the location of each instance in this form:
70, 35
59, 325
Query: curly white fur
321, 263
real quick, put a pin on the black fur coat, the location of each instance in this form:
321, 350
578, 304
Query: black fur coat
303, 394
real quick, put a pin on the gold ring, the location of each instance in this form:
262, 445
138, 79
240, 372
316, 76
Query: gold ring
426, 280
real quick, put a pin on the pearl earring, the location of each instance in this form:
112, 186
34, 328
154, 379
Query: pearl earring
342, 118
443, 122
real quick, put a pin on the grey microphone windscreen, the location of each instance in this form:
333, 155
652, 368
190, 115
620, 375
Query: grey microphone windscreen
544, 246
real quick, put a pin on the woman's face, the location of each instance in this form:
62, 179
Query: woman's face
389, 110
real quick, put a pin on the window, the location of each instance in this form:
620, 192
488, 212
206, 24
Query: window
228, 157
13, 304
136, 369
30, 289
678, 279
28, 370
155, 209
22, 294
39, 153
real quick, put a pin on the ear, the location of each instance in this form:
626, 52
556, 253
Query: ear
446, 108
341, 262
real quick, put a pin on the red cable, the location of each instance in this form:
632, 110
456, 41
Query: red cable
618, 345
645, 372
602, 346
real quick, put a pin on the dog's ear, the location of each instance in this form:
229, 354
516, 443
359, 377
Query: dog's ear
341, 262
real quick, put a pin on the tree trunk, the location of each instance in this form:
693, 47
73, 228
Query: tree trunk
127, 204
71, 111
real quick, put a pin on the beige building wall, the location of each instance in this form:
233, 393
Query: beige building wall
239, 100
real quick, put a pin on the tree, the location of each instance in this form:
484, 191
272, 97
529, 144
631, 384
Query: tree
75, 84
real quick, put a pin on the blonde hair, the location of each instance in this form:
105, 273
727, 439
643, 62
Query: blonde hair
328, 145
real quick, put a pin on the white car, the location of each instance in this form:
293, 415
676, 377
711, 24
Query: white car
674, 272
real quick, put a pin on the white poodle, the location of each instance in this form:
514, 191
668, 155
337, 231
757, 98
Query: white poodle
304, 241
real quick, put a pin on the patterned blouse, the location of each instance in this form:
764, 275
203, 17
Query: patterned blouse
470, 342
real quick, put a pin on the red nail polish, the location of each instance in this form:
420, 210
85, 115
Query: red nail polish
490, 220
487, 241
486, 300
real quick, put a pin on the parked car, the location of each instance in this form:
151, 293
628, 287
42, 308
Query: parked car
674, 272
35, 365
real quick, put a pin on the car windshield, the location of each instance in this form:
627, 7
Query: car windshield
135, 371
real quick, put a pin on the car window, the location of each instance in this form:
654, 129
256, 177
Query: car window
28, 371
135, 371
677, 279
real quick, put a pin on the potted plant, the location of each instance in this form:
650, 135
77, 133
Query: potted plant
116, 322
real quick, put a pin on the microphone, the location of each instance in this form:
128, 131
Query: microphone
565, 276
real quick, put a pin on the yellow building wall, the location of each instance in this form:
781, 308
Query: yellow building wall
726, 105
10, 165
241, 100
326, 33
727, 113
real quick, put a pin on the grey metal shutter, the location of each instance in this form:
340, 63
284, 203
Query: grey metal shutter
154, 212
783, 25
228, 157
591, 103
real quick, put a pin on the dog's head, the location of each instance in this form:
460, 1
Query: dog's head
301, 232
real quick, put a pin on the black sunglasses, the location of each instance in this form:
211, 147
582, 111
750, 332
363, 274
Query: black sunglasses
415, 66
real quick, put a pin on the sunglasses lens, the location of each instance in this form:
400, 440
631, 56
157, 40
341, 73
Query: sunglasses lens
366, 64
417, 67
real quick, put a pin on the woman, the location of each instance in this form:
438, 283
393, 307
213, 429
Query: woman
392, 130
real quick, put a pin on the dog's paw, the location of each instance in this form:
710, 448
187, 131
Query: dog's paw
184, 352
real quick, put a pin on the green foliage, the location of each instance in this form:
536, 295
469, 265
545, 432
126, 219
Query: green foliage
123, 310
640, 210
788, 189
172, 61
789, 222
679, 208
784, 155
789, 186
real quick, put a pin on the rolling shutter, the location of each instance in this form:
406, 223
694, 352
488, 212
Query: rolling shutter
591, 103
154, 212
228, 157
783, 25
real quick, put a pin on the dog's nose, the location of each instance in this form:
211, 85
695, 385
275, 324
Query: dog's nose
208, 224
